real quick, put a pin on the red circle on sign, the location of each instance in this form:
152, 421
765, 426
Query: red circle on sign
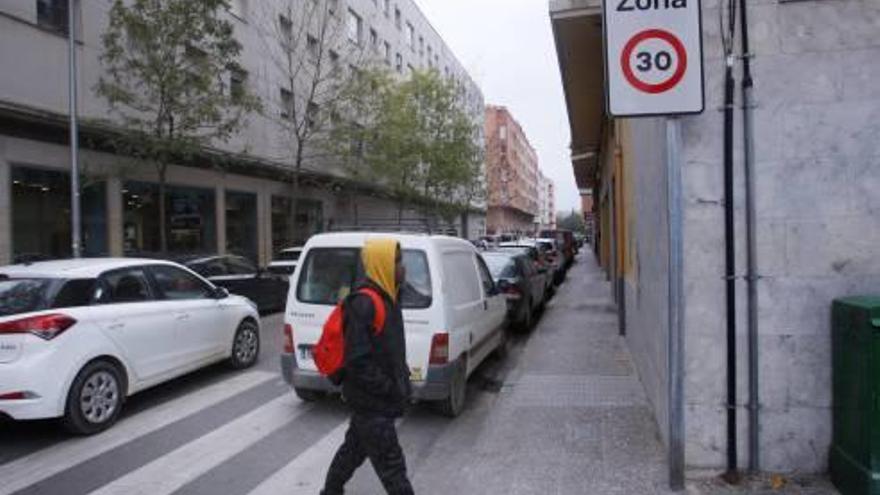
668, 83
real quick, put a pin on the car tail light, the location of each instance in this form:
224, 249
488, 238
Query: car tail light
440, 349
47, 327
288, 338
512, 291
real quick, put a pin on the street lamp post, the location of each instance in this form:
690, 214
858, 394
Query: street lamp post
76, 216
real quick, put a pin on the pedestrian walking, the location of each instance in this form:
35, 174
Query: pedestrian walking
375, 375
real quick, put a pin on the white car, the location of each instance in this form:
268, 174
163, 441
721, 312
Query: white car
78, 336
454, 315
285, 262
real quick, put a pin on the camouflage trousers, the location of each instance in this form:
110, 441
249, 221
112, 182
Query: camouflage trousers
374, 438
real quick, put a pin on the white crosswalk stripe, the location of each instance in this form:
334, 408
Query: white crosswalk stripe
305, 473
179, 467
40, 465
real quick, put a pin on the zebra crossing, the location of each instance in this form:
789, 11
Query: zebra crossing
247, 434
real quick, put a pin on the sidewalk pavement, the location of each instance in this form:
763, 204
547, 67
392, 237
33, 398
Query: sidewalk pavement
572, 417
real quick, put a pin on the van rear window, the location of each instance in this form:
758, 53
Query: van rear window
329, 274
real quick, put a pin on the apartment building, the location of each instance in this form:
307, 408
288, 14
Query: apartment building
243, 206
512, 174
546, 218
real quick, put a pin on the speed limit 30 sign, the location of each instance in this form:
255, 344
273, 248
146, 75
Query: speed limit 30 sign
653, 57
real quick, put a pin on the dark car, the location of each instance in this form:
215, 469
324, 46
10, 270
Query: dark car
542, 263
565, 242
242, 277
522, 285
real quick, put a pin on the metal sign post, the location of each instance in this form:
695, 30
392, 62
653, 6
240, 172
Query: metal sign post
654, 57
75, 212
675, 342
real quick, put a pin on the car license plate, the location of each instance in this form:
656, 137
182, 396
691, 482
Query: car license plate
305, 351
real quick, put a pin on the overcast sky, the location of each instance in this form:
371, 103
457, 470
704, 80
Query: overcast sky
507, 46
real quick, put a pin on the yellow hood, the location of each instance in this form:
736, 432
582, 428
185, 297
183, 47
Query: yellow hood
378, 256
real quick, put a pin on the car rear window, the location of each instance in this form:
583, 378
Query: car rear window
329, 274
288, 256
23, 295
501, 266
75, 293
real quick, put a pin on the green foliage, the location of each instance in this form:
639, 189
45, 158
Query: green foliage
415, 137
573, 221
168, 66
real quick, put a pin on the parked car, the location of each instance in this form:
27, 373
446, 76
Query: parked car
285, 261
539, 260
564, 242
554, 255
242, 277
454, 312
522, 284
79, 336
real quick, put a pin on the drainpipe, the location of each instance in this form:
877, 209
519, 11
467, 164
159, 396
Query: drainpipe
730, 270
751, 241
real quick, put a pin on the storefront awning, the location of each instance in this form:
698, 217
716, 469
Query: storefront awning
577, 28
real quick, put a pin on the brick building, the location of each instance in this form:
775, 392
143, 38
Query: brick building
512, 174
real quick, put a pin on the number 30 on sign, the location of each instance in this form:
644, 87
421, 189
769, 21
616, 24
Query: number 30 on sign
653, 57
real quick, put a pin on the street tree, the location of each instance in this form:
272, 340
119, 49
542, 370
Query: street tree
416, 137
316, 50
573, 221
174, 81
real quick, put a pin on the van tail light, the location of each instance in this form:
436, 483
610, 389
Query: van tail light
288, 338
46, 327
440, 349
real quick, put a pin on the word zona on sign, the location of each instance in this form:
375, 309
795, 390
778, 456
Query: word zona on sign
633, 5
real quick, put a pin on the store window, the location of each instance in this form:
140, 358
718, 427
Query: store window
241, 224
309, 220
282, 223
190, 219
41, 224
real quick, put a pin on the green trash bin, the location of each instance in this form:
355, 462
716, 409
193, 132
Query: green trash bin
855, 449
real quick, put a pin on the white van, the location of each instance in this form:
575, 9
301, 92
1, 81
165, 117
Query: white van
454, 315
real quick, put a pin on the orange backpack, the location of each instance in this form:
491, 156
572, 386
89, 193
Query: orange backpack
329, 352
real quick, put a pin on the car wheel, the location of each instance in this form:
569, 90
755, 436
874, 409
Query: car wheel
453, 405
245, 345
95, 399
307, 395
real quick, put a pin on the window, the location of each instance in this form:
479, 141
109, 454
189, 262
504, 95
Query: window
334, 60
190, 219
53, 14
285, 27
388, 53
485, 277
124, 286
421, 45
282, 223
501, 266
397, 18
237, 83
430, 53
374, 40
312, 47
398, 63
241, 224
461, 282
40, 228
329, 274
212, 267
236, 265
312, 115
410, 36
24, 295
355, 27
176, 284
75, 293
287, 109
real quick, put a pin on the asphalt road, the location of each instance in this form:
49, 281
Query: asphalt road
218, 431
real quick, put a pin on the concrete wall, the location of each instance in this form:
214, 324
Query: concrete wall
818, 173
645, 284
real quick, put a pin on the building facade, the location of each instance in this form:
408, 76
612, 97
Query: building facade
546, 218
236, 196
817, 170
512, 174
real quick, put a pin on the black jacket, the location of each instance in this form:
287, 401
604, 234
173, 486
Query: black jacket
376, 377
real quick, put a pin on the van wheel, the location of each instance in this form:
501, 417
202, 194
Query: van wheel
453, 405
245, 345
94, 400
307, 395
